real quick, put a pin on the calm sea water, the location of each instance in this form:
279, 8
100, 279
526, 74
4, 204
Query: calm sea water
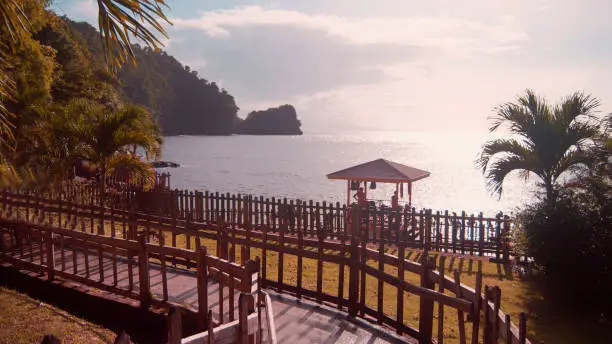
295, 167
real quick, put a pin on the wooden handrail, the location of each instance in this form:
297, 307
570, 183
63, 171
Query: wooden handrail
267, 229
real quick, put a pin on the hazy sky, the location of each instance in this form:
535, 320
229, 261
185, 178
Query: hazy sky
390, 64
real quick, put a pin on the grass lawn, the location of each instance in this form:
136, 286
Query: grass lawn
26, 320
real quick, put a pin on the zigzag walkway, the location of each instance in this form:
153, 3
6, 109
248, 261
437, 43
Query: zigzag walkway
297, 321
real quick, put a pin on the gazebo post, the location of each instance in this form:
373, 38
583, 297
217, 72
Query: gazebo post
348, 193
410, 195
365, 187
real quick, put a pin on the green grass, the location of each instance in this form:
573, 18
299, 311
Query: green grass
26, 320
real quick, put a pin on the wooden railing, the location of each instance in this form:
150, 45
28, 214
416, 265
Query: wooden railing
448, 231
60, 240
363, 274
244, 330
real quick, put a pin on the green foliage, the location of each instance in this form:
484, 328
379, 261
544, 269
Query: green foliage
17, 19
281, 120
75, 76
120, 21
53, 64
547, 140
572, 243
89, 131
181, 101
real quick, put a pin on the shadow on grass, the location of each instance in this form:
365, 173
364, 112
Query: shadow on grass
554, 322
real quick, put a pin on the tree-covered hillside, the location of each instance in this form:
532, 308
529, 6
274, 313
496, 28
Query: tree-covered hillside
182, 102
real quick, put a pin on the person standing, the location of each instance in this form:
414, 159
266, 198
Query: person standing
360, 197
394, 200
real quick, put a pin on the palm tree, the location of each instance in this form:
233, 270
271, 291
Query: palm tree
108, 135
547, 140
100, 135
119, 22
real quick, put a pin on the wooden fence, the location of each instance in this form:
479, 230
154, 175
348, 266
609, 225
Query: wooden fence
369, 282
61, 240
448, 231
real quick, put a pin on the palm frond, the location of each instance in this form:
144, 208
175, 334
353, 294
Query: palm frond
572, 162
537, 107
13, 19
503, 146
500, 168
120, 20
14, 23
140, 171
512, 114
574, 106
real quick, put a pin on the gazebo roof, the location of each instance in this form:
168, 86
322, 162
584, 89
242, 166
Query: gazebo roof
380, 170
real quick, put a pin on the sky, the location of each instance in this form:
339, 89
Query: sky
397, 65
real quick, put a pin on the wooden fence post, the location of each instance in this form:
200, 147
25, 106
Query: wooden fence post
202, 284
246, 306
487, 330
133, 225
496, 305
143, 274
222, 241
50, 255
477, 306
441, 268
175, 326
499, 240
354, 260
506, 238
522, 339
426, 305
481, 235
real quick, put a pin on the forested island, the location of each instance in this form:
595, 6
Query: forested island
180, 101
281, 120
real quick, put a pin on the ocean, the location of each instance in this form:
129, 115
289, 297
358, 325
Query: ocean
295, 167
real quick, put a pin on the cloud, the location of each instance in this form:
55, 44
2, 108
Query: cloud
86, 10
443, 32
395, 64
265, 63
441, 98
264, 55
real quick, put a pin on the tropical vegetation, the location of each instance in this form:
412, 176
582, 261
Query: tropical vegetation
43, 68
547, 140
568, 232
278, 120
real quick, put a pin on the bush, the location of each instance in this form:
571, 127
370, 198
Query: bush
572, 244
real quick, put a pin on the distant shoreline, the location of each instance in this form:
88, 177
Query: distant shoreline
233, 134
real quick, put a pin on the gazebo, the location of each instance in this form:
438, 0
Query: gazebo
380, 171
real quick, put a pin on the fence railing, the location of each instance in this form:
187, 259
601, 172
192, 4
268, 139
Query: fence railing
361, 279
448, 231
68, 241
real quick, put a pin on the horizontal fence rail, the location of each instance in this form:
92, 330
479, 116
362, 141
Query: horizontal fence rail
450, 232
371, 281
119, 253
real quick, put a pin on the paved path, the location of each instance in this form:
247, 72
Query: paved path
296, 321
